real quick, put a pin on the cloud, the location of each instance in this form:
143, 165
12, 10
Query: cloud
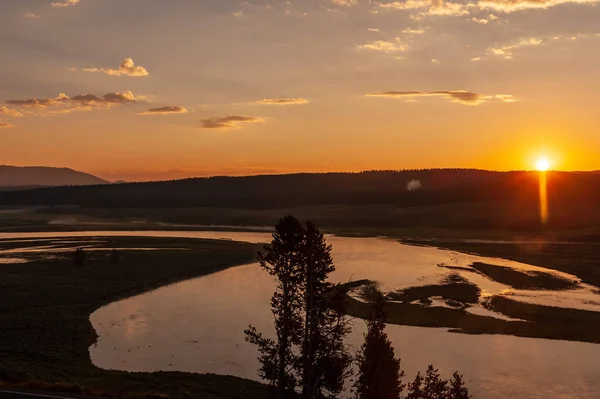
446, 9
4, 125
506, 51
429, 7
38, 102
507, 98
229, 122
10, 112
170, 110
384, 46
65, 3
31, 15
406, 5
374, 30
482, 21
127, 68
457, 96
82, 102
282, 101
238, 14
508, 6
410, 31
347, 3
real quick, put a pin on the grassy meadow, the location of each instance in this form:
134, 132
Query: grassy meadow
45, 306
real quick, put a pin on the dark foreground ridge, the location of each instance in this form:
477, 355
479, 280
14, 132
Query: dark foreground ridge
45, 307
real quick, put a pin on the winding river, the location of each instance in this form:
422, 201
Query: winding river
197, 325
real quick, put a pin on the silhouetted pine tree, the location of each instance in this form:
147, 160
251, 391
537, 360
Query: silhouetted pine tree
457, 389
324, 357
309, 353
414, 388
434, 387
380, 375
282, 259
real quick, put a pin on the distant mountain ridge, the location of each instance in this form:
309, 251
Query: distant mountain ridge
42, 176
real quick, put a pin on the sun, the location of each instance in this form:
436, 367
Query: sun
542, 164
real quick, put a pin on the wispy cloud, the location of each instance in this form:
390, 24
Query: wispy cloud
65, 3
83, 102
406, 5
5, 125
282, 101
126, 68
31, 15
508, 6
169, 110
384, 46
506, 51
229, 122
507, 98
446, 8
411, 31
39, 102
346, 3
10, 112
428, 7
457, 96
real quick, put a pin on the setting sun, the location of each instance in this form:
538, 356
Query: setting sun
542, 164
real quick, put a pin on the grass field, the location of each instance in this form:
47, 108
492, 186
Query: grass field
45, 306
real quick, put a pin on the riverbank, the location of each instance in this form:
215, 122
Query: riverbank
580, 258
45, 305
522, 319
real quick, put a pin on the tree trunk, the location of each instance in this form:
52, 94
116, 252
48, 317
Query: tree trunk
309, 329
283, 339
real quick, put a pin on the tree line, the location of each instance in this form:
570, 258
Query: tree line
276, 191
308, 358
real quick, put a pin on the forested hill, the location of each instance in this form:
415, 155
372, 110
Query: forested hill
402, 188
14, 177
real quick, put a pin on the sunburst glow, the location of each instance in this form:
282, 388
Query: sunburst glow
542, 164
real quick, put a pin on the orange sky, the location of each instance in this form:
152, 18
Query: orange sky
185, 88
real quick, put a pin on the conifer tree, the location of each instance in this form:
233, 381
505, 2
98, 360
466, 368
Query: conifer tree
379, 371
282, 259
457, 389
325, 360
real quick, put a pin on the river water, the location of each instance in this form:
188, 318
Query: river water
197, 325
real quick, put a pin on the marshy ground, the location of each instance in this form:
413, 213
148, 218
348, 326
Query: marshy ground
45, 306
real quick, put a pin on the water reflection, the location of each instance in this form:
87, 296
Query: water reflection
197, 326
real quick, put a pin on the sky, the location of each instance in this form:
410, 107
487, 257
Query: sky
165, 89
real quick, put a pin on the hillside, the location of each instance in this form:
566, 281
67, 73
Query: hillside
443, 198
403, 188
12, 177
